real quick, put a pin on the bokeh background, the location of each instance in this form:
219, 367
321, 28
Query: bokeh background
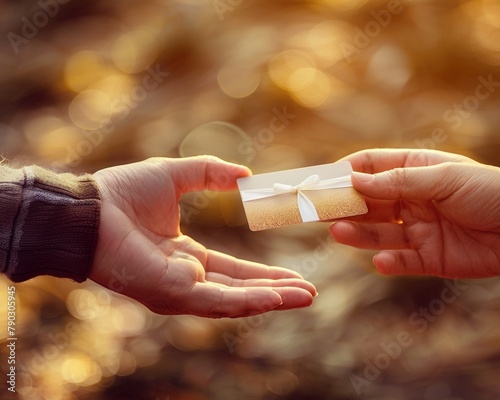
273, 85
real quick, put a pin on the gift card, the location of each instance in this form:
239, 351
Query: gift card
318, 193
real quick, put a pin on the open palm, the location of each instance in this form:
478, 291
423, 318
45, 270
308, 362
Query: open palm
430, 213
142, 253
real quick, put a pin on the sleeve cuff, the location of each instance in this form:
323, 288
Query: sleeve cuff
54, 222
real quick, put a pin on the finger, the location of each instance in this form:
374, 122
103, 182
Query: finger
234, 282
379, 211
400, 262
205, 172
214, 301
242, 269
293, 298
370, 236
378, 160
420, 183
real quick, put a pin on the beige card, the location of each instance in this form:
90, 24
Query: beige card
318, 193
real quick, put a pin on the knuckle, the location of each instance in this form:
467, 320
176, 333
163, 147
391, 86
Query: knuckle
210, 159
398, 177
450, 175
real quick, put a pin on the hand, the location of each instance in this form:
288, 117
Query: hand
142, 253
430, 212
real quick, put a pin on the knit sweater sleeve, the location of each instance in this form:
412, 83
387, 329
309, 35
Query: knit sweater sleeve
48, 223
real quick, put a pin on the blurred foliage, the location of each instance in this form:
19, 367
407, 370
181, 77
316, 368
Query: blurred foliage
272, 85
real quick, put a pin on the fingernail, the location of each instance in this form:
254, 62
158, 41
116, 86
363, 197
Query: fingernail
362, 177
277, 300
385, 262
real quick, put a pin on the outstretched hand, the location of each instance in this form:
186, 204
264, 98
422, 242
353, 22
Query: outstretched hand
430, 213
142, 253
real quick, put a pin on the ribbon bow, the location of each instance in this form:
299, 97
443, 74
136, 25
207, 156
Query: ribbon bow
307, 210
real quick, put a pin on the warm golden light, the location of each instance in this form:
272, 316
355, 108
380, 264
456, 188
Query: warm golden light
83, 69
343, 5
324, 41
134, 51
80, 369
238, 82
272, 86
91, 109
283, 66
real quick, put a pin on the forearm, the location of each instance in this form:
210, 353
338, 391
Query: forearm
48, 223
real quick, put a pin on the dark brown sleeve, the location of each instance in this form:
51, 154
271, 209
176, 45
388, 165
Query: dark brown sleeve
48, 223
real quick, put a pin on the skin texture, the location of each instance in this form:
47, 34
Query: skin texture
142, 253
430, 213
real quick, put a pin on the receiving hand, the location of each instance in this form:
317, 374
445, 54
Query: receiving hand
142, 253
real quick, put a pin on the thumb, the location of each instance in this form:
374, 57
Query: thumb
205, 172
435, 182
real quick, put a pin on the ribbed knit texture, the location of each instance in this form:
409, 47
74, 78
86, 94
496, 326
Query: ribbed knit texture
48, 223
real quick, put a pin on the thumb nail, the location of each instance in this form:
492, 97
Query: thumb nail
362, 177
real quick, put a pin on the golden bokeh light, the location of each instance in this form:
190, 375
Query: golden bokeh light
198, 336
90, 109
310, 87
110, 364
134, 51
161, 137
146, 351
50, 136
54, 144
238, 82
129, 319
221, 139
36, 127
485, 29
86, 304
83, 69
389, 68
324, 41
128, 365
81, 370
490, 11
283, 66
117, 87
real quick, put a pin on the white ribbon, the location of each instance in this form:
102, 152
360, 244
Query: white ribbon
307, 210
